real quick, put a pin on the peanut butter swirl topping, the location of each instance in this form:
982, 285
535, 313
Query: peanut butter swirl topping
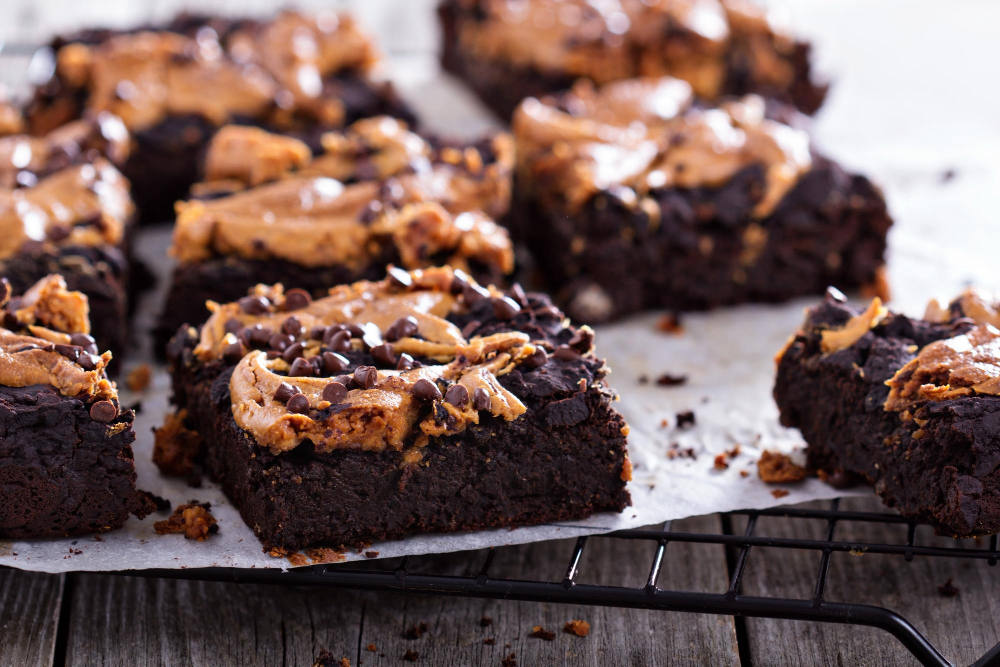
440, 384
644, 134
619, 39
422, 201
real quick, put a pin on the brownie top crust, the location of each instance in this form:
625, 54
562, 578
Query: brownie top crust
272, 71
640, 135
375, 185
607, 41
45, 340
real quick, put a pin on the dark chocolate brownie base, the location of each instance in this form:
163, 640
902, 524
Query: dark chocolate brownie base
501, 85
704, 249
61, 472
941, 467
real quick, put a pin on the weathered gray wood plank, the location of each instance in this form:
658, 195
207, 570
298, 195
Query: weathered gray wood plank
29, 617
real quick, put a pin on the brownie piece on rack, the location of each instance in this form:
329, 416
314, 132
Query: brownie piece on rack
634, 196
912, 406
175, 84
65, 208
66, 464
420, 403
377, 194
507, 50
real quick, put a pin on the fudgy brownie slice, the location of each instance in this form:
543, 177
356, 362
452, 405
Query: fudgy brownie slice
420, 403
376, 194
175, 84
66, 209
634, 196
507, 50
912, 406
66, 464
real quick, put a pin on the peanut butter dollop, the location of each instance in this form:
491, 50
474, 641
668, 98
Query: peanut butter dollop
975, 304
834, 340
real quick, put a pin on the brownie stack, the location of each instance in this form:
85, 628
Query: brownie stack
420, 403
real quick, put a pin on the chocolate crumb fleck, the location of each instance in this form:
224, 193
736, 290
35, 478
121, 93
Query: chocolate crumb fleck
509, 660
779, 493
485, 621
668, 380
685, 419
489, 641
669, 324
411, 655
415, 631
538, 632
720, 462
948, 589
371, 554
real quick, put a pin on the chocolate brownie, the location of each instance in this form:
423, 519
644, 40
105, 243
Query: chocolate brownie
911, 406
294, 73
634, 196
65, 208
66, 463
420, 403
507, 50
271, 212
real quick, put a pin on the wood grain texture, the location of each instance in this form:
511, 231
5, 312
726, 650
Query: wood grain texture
29, 617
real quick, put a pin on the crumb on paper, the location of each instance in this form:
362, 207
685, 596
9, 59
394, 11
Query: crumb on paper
415, 631
675, 451
744, 473
778, 468
139, 377
485, 621
720, 462
668, 380
577, 627
948, 175
685, 419
664, 423
320, 555
538, 632
411, 655
175, 446
669, 323
948, 589
643, 379
371, 554
509, 660
192, 519
779, 493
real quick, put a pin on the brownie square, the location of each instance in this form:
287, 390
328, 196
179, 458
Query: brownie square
271, 212
634, 196
66, 464
419, 403
293, 73
908, 405
506, 51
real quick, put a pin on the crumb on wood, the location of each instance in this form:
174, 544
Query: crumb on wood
948, 589
577, 627
175, 446
371, 554
489, 641
138, 378
669, 323
193, 519
538, 632
509, 660
326, 659
371, 648
778, 468
411, 655
485, 621
415, 631
779, 493
685, 419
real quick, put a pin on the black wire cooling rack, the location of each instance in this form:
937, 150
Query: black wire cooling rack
651, 596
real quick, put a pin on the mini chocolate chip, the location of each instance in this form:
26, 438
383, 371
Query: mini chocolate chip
334, 363
297, 299
473, 293
334, 392
332, 331
340, 341
457, 395
480, 399
71, 352
254, 305
298, 404
426, 390
404, 327
505, 308
537, 359
293, 352
458, 283
233, 352
405, 362
384, 355
293, 327
279, 342
259, 335
232, 326
88, 361
273, 354
317, 364
316, 333
517, 293
86, 341
355, 330
284, 392
566, 353
399, 277
301, 367
470, 328
103, 411
365, 377
346, 380
58, 232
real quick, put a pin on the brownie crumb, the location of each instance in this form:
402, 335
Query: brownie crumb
577, 627
411, 655
538, 632
668, 380
485, 621
509, 661
175, 446
778, 468
138, 378
670, 324
371, 648
324, 659
489, 641
779, 493
415, 631
720, 462
371, 554
685, 419
643, 379
744, 473
948, 589
675, 451
192, 519
320, 555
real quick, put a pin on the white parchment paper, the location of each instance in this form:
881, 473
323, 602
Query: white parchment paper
877, 120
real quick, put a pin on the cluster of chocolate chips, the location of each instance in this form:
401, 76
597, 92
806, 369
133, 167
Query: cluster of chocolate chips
82, 350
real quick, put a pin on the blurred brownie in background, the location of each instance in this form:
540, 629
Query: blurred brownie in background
635, 196
507, 50
173, 85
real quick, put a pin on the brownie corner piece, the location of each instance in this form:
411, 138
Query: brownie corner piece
356, 438
909, 405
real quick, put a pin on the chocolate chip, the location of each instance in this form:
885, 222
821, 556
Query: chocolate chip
458, 284
334, 392
405, 362
470, 328
259, 335
88, 362
298, 404
457, 395
404, 327
71, 352
566, 353
582, 340
316, 333
284, 392
505, 308
103, 411
384, 355
232, 326
293, 327
365, 377
293, 352
340, 341
86, 341
426, 390
273, 354
536, 359
232, 352
398, 277
301, 367
517, 293
346, 380
355, 330
480, 399
334, 363
473, 293
279, 342
254, 305
297, 299
58, 232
